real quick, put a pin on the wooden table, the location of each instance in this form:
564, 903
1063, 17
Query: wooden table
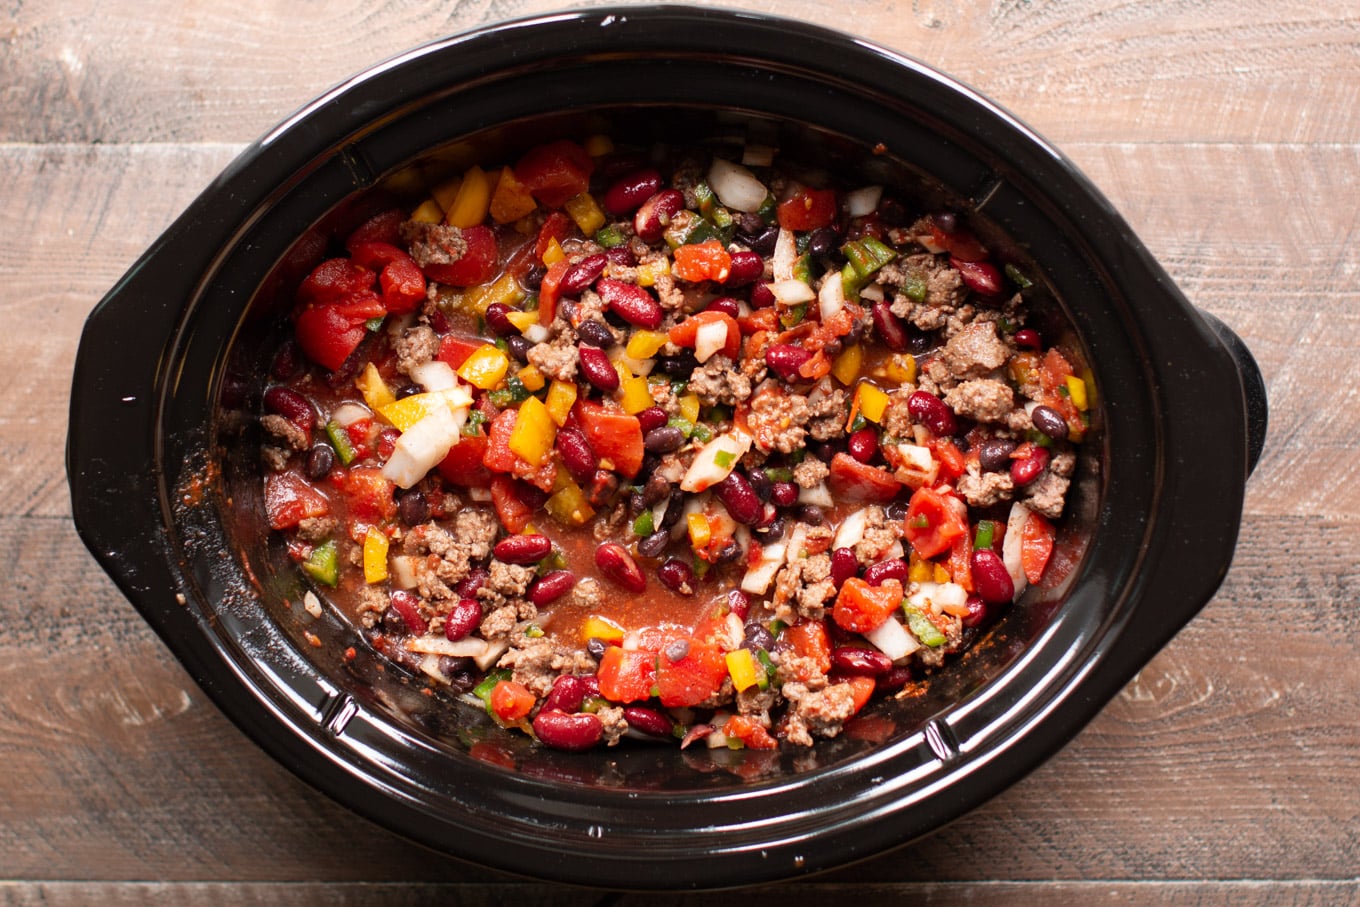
1227, 772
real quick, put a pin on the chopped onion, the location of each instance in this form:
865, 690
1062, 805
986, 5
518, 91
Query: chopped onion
435, 375
758, 577
736, 187
863, 201
817, 494
851, 530
423, 445
792, 292
715, 460
892, 639
873, 292
403, 571
536, 333
785, 254
493, 653
831, 296
467, 647
349, 412
1010, 546
709, 339
641, 367
918, 466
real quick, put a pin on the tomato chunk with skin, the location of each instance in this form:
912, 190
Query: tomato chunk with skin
932, 524
335, 280
686, 332
330, 332
555, 172
370, 494
690, 680
627, 676
851, 480
511, 510
289, 499
511, 701
809, 639
861, 607
500, 458
383, 227
464, 466
613, 435
1036, 546
808, 209
476, 264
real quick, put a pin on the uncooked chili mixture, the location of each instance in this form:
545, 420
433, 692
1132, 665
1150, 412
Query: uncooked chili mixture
698, 446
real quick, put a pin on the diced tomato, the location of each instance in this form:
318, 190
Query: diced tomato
335, 280
951, 459
464, 466
329, 332
500, 458
555, 172
752, 734
861, 690
511, 701
808, 209
627, 675
557, 226
861, 607
816, 368
960, 243
511, 510
476, 265
851, 480
693, 678
375, 255
370, 494
403, 286
1036, 546
960, 564
289, 499
613, 435
456, 348
760, 320
548, 291
384, 227
932, 524
809, 640
702, 261
685, 333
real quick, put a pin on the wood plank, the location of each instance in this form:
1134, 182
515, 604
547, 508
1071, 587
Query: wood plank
1082, 71
1209, 765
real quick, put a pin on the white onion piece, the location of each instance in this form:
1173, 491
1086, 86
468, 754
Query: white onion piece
536, 333
851, 530
1010, 546
785, 254
831, 296
792, 292
918, 466
863, 201
873, 292
642, 367
423, 445
435, 375
892, 639
715, 460
403, 571
349, 412
757, 155
736, 187
758, 577
494, 650
709, 339
817, 494
467, 647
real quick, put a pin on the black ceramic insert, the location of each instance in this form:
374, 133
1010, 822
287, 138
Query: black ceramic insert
172, 363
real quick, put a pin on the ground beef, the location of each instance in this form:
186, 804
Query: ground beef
982, 399
778, 420
275, 459
500, 623
536, 663
434, 243
417, 346
615, 725
756, 703
288, 432
719, 381
586, 594
476, 530
897, 419
318, 528
802, 588
810, 473
974, 351
828, 409
935, 656
372, 604
984, 489
672, 298
556, 358
1047, 494
816, 713
505, 584
879, 536
943, 285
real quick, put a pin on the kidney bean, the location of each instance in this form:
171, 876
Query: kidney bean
286, 402
1028, 338
994, 454
652, 417
738, 603
519, 347
465, 617
677, 576
664, 440
1049, 421
655, 544
860, 661
878, 574
652, 219
648, 721
320, 461
741, 502
979, 276
597, 368
616, 563
582, 274
977, 611
844, 565
286, 361
785, 360
933, 413
762, 297
574, 449
725, 304
467, 587
573, 733
863, 444
784, 494
631, 303
628, 193
567, 694
889, 328
892, 681
523, 549
496, 319
596, 333
756, 636
991, 580
551, 586
413, 508
1027, 470
746, 268
407, 607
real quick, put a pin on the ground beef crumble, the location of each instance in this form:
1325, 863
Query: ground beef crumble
719, 381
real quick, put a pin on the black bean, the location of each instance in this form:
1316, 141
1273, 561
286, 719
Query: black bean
677, 650
533, 278
893, 213
320, 460
822, 242
655, 544
756, 636
749, 226
947, 221
919, 342
655, 490
596, 647
675, 508
636, 504
760, 483
810, 514
596, 333
519, 347
775, 530
413, 508
994, 454
764, 242
896, 511
664, 440
1048, 421
408, 390
681, 366
728, 553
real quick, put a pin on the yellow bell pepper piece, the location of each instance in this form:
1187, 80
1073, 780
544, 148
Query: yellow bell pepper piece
429, 212
900, 369
585, 212
602, 628
941, 574
408, 411
511, 200
743, 667
599, 145
645, 344
472, 201
561, 398
568, 504
445, 193
847, 365
375, 390
636, 396
553, 254
505, 290
485, 368
700, 532
531, 378
522, 320
648, 272
1076, 391
920, 571
870, 401
375, 556
689, 407
534, 432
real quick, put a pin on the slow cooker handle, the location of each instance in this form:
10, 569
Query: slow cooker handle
1253, 387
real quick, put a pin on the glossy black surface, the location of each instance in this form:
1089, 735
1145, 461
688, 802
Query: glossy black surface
173, 361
